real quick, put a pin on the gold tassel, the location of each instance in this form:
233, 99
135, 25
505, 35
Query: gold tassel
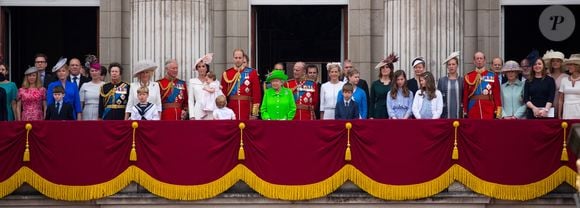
455, 153
564, 156
133, 154
26, 156
347, 154
241, 152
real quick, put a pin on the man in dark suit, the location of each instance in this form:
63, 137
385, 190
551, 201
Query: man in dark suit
40, 62
75, 75
59, 110
347, 108
361, 82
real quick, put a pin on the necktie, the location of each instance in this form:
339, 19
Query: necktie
346, 104
58, 107
75, 80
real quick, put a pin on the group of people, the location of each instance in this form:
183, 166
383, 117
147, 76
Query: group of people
537, 87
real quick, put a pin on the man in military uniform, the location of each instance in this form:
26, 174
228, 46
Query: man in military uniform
241, 85
114, 95
481, 95
305, 93
173, 93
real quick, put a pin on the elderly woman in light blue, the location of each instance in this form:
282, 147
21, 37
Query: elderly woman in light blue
512, 92
71, 91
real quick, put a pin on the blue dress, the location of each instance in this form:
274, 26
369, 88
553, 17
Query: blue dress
71, 95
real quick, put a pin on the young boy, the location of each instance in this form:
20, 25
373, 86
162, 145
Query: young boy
59, 110
347, 108
144, 110
222, 112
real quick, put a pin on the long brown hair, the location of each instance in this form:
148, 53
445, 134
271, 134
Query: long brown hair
394, 87
429, 86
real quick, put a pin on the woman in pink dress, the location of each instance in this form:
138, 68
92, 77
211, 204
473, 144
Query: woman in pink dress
31, 99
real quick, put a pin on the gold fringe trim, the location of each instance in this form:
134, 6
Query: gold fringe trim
66, 192
190, 192
515, 192
401, 192
287, 192
296, 192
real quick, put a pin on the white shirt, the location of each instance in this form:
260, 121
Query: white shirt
328, 95
77, 81
436, 105
154, 95
151, 114
194, 96
224, 113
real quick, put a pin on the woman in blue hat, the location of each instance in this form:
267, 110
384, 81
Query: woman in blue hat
278, 102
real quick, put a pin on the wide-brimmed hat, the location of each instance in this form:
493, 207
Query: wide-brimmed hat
61, 62
451, 56
277, 74
206, 59
391, 58
418, 60
30, 70
551, 54
574, 59
144, 65
511, 66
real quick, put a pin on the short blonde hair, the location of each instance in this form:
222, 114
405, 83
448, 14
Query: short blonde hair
143, 90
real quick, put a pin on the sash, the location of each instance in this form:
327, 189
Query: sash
244, 74
175, 91
306, 87
116, 97
481, 86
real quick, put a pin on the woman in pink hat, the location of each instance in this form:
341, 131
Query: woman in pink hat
195, 89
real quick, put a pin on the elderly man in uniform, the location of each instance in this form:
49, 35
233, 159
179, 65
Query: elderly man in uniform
481, 91
305, 93
241, 85
173, 93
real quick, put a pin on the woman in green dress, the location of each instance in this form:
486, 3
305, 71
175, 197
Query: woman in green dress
380, 88
278, 102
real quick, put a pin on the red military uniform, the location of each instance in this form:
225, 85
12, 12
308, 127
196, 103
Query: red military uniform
306, 98
173, 98
481, 95
243, 91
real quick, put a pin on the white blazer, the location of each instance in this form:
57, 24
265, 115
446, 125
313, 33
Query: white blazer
436, 105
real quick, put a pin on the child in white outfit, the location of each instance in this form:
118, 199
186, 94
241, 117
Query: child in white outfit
211, 89
144, 110
222, 112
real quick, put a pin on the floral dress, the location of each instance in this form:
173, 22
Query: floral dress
32, 99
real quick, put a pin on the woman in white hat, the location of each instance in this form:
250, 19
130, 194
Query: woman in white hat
451, 87
143, 71
90, 91
195, 89
512, 92
31, 100
71, 90
569, 98
554, 60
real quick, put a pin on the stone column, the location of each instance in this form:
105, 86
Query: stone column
170, 29
432, 29
114, 24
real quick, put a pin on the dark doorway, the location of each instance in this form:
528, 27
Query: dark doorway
522, 33
298, 33
54, 31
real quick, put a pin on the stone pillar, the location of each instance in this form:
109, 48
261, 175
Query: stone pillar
432, 29
359, 38
114, 33
482, 21
170, 29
